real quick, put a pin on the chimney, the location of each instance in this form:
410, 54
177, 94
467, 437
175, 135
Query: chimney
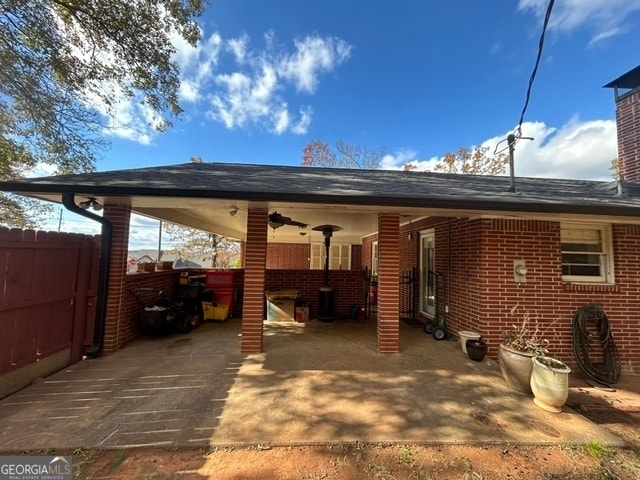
626, 89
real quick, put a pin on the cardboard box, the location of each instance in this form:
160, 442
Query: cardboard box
281, 310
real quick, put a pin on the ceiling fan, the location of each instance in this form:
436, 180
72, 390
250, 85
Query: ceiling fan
276, 221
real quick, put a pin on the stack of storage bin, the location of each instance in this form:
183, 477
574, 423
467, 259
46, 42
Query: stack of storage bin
221, 283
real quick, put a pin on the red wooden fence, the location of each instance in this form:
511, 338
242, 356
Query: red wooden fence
47, 295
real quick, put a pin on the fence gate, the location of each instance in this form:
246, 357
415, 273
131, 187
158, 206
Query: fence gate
47, 302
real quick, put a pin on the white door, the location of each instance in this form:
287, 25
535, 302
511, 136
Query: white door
427, 273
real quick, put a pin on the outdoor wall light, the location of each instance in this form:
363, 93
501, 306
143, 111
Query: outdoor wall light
519, 271
234, 211
91, 202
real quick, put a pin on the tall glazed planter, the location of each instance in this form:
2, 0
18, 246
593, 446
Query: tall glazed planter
549, 383
516, 368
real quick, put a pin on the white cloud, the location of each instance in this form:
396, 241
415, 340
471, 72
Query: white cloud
252, 91
256, 93
313, 55
238, 47
197, 65
577, 150
302, 125
399, 159
606, 18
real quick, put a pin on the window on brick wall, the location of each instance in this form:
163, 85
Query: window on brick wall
586, 253
339, 256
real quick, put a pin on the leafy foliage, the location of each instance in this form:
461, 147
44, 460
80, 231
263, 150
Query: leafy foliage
66, 64
471, 162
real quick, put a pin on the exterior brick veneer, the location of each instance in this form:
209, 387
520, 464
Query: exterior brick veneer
628, 121
388, 284
254, 280
476, 257
117, 329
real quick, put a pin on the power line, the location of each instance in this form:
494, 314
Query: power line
518, 132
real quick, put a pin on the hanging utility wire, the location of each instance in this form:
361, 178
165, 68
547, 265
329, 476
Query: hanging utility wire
518, 132
512, 139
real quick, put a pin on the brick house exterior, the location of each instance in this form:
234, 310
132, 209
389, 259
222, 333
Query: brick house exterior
471, 228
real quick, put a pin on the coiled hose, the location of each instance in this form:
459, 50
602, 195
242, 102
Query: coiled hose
594, 350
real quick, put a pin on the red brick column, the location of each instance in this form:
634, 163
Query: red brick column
255, 261
119, 215
388, 283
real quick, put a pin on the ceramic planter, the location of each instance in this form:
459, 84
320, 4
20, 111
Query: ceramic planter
516, 368
549, 383
476, 349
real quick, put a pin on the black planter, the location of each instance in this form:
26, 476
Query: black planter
476, 349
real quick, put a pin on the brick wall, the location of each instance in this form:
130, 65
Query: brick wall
291, 256
296, 256
485, 298
628, 128
348, 286
165, 280
476, 257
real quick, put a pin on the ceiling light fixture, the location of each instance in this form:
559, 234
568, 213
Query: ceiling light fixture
91, 202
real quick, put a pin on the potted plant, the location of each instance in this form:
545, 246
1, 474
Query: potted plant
519, 346
549, 383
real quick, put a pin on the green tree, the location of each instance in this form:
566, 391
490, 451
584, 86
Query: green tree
61, 59
319, 154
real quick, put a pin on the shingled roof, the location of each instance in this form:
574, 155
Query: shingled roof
341, 186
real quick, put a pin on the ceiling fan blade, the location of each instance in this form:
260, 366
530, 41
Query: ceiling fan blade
276, 218
298, 224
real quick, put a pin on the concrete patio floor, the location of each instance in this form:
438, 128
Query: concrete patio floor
315, 383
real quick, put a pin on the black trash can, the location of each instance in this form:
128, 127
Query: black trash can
326, 305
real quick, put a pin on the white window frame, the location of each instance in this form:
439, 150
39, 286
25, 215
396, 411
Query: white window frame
427, 281
339, 256
374, 258
605, 254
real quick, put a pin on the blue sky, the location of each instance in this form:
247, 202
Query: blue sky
416, 78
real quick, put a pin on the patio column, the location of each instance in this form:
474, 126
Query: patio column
388, 283
114, 336
255, 262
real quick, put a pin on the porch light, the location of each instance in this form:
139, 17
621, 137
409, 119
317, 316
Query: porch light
91, 202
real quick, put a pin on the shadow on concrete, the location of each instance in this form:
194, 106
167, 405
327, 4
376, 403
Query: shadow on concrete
315, 383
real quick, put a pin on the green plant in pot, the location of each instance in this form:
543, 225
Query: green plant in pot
519, 346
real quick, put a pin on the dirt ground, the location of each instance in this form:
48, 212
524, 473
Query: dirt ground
377, 461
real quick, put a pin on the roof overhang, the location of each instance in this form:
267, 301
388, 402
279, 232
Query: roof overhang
203, 195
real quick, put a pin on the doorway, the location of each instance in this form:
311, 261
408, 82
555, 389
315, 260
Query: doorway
427, 273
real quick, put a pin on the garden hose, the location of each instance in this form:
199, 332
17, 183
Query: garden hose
594, 350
